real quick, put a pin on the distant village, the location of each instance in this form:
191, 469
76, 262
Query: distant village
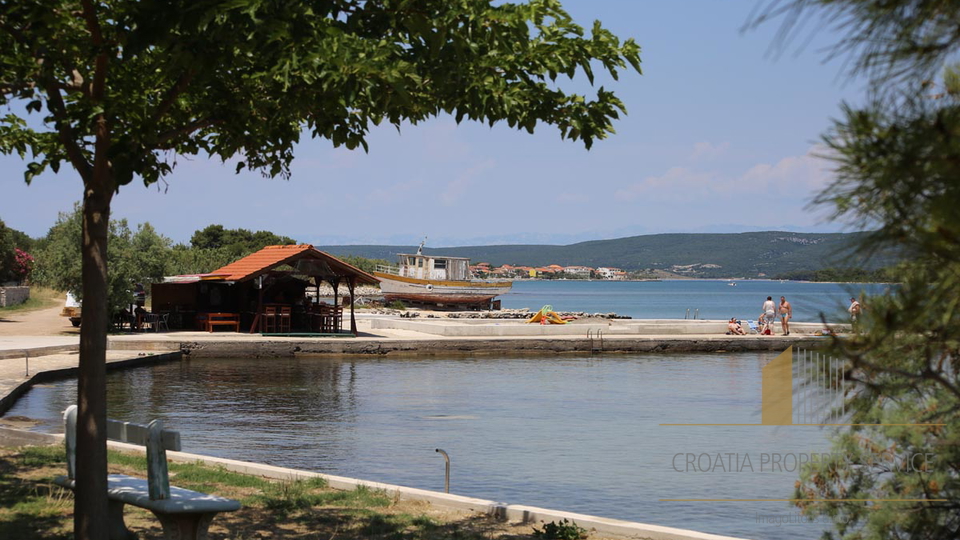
554, 271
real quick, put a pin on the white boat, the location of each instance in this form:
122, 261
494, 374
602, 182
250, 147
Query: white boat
436, 279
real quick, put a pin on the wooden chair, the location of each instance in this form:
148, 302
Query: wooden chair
285, 315
269, 319
338, 319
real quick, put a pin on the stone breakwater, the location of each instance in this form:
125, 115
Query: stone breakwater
524, 313
360, 291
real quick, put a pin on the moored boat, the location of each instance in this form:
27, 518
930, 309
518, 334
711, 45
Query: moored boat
438, 280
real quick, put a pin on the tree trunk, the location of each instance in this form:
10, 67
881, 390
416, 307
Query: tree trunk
90, 507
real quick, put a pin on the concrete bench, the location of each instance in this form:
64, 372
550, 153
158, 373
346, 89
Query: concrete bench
184, 514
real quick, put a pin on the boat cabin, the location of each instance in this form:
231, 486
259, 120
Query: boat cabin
434, 267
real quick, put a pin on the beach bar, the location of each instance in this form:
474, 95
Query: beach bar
266, 292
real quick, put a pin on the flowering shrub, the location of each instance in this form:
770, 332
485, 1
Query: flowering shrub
22, 264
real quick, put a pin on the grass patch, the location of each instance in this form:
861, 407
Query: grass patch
33, 508
42, 456
197, 473
40, 298
30, 501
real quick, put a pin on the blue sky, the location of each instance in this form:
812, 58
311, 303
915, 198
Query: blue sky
720, 137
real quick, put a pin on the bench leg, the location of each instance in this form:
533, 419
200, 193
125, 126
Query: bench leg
116, 528
185, 526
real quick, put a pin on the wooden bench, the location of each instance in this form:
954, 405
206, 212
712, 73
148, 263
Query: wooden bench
209, 320
184, 514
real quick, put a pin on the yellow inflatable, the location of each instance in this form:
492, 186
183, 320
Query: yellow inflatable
546, 315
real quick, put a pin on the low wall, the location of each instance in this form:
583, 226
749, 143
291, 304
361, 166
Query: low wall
13, 296
489, 346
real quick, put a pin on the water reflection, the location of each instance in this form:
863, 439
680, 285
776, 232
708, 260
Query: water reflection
577, 433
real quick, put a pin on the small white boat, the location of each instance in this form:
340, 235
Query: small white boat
732, 284
437, 279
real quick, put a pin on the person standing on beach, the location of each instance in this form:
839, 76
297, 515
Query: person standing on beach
786, 313
854, 310
769, 312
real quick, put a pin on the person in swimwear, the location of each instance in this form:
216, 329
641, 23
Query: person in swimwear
786, 313
733, 327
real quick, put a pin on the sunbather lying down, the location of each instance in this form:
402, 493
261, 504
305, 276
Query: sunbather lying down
733, 327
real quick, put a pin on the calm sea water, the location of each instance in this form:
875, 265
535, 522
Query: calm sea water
671, 299
582, 434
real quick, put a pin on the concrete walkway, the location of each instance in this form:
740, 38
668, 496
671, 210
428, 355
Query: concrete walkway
28, 360
23, 357
15, 346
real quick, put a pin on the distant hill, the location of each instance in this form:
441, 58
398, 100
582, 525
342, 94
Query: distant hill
752, 254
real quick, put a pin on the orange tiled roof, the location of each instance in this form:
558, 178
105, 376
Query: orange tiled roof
260, 261
271, 256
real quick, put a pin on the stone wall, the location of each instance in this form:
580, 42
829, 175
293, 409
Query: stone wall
12, 296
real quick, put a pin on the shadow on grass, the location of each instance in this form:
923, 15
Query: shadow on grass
32, 508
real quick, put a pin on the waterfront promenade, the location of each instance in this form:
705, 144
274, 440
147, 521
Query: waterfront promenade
56, 356
23, 357
45, 364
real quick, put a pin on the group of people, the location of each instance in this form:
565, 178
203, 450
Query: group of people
770, 310
766, 319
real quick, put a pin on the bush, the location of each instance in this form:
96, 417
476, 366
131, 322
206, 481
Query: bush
565, 530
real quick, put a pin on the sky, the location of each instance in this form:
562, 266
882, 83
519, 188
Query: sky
722, 135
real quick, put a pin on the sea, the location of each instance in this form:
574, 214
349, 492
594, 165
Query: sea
593, 434
689, 298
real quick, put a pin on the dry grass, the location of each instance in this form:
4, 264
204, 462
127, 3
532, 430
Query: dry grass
33, 508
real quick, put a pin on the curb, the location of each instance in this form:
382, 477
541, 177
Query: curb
38, 351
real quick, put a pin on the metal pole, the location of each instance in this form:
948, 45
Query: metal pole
26, 355
833, 384
803, 388
795, 384
446, 478
843, 393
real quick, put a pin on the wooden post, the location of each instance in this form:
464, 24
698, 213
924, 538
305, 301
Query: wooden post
256, 318
336, 300
351, 284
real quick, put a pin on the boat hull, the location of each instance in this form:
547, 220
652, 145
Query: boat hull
440, 292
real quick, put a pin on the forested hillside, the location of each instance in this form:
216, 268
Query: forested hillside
755, 254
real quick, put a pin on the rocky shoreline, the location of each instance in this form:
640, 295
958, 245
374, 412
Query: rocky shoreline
365, 294
524, 313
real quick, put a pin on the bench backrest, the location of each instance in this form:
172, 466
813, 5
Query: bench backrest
153, 436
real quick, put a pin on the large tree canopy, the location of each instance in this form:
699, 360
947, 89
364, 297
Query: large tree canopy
123, 87
247, 77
